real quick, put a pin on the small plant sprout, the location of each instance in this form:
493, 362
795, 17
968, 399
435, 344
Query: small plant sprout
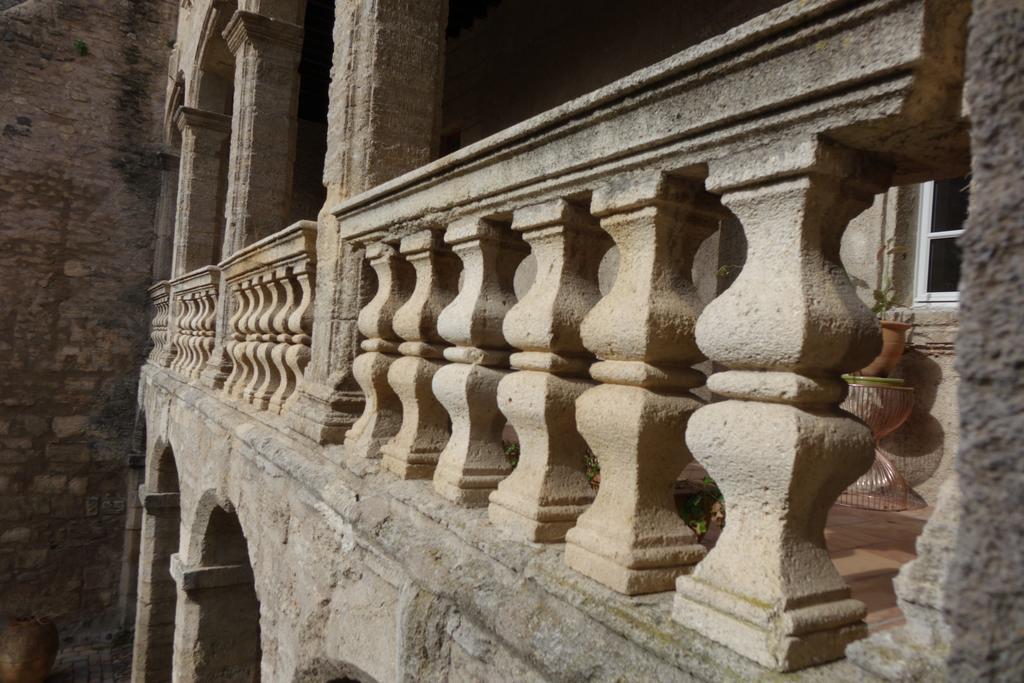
885, 295
81, 48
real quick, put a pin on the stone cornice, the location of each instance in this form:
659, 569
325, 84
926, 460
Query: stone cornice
257, 28
734, 92
199, 118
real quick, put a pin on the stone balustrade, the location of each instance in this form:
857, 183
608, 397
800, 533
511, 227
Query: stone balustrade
194, 302
734, 129
160, 305
788, 125
270, 284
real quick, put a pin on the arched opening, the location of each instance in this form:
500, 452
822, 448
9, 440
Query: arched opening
308, 192
156, 602
204, 122
223, 624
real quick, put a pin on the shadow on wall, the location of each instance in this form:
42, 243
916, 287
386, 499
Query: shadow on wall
918, 449
333, 671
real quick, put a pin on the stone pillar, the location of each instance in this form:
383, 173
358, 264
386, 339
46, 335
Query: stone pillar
549, 488
157, 593
381, 123
166, 210
382, 412
200, 213
778, 446
412, 453
264, 120
918, 650
632, 538
474, 460
218, 629
983, 595
267, 54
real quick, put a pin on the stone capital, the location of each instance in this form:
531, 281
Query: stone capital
792, 158
262, 31
154, 502
199, 578
190, 117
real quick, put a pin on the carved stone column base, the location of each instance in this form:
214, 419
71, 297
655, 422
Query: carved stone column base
632, 538
323, 415
382, 414
783, 640
474, 461
542, 498
413, 452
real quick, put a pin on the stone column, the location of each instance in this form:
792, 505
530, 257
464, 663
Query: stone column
474, 460
266, 89
267, 54
382, 412
166, 210
632, 538
549, 488
412, 453
157, 593
983, 595
381, 123
779, 447
200, 213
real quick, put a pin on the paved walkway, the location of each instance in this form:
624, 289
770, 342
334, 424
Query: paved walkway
103, 663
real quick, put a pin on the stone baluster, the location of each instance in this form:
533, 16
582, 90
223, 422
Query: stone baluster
549, 488
270, 328
235, 346
474, 461
412, 453
382, 412
183, 337
292, 353
779, 447
632, 538
159, 296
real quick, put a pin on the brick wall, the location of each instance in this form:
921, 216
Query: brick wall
82, 85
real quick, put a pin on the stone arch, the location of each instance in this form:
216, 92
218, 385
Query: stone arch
218, 623
156, 602
322, 670
213, 69
175, 99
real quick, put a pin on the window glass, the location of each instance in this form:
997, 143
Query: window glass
949, 205
943, 265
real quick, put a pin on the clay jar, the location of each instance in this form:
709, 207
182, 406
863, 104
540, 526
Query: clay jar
28, 648
894, 339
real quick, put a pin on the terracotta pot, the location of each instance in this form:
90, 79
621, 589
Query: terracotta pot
894, 340
28, 648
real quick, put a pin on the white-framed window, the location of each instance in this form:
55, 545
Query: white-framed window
942, 211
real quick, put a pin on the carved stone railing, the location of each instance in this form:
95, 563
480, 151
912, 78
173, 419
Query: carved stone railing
194, 303
160, 304
789, 124
271, 285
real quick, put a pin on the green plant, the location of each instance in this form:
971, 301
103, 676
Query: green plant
885, 296
511, 451
727, 270
171, 43
81, 48
700, 504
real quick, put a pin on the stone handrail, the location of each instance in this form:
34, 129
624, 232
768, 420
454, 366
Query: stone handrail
789, 124
271, 284
194, 299
160, 302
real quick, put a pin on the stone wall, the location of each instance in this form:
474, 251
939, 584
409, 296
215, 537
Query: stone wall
83, 87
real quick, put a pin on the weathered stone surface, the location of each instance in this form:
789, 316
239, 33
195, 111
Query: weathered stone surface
984, 593
79, 177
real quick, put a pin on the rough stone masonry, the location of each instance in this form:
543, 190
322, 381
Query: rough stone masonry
81, 91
